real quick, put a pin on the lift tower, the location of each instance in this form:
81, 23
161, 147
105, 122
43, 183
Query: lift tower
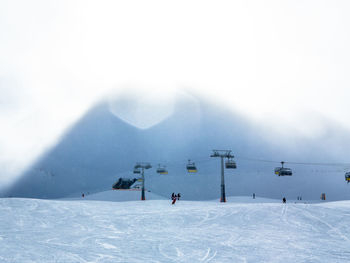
142, 166
222, 154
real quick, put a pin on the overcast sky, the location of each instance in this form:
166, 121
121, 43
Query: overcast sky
271, 61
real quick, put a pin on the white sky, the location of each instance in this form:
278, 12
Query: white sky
266, 59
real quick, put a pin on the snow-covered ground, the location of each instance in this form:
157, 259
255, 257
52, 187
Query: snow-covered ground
240, 230
117, 196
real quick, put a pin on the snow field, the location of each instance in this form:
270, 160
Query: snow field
34, 230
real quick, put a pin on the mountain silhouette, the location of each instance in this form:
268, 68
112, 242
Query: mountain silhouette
102, 147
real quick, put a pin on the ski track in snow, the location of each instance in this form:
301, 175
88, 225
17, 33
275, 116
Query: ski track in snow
154, 231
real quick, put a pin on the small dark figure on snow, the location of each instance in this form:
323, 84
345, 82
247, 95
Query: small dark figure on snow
174, 199
172, 196
82, 195
253, 195
284, 200
178, 196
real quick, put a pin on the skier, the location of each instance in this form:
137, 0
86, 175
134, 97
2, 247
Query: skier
174, 199
82, 195
253, 195
284, 200
172, 196
178, 196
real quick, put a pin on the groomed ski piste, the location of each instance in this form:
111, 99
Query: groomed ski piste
106, 227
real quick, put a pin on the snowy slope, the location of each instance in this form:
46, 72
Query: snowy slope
34, 230
117, 196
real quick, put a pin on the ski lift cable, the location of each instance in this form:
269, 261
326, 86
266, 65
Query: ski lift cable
321, 164
257, 160
297, 163
195, 160
207, 160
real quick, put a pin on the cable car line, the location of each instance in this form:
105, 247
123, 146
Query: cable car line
291, 162
321, 164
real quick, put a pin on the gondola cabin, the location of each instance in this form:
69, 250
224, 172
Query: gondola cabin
191, 167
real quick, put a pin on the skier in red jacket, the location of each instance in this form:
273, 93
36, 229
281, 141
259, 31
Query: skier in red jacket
174, 199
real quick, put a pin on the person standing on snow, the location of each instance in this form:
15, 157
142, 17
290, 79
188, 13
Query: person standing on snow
174, 199
284, 200
178, 196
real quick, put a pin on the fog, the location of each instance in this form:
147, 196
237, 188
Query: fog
282, 65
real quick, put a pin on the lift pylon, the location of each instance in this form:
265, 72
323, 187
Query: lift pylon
222, 154
142, 166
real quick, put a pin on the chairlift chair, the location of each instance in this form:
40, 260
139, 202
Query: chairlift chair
347, 177
162, 169
286, 172
191, 167
230, 164
137, 171
283, 171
